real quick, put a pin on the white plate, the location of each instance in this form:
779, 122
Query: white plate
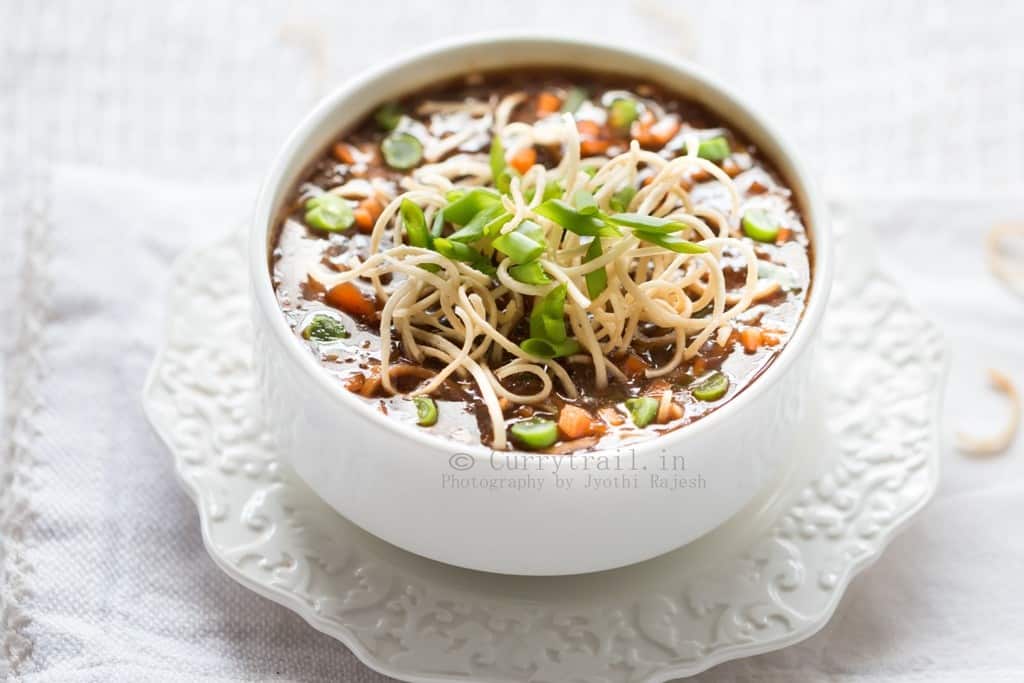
768, 578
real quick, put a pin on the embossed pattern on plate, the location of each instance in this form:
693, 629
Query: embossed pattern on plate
764, 580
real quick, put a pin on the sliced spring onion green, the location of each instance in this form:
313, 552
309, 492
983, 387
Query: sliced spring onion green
464, 206
504, 180
415, 224
401, 150
639, 221
714, 149
622, 198
573, 99
476, 228
497, 158
671, 242
518, 247
711, 388
426, 411
547, 349
552, 190
388, 115
596, 280
760, 225
329, 212
548, 338
531, 273
590, 170
534, 433
585, 203
533, 231
324, 328
547, 319
623, 112
437, 227
643, 410
457, 251
572, 220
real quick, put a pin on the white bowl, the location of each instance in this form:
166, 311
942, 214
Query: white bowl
398, 481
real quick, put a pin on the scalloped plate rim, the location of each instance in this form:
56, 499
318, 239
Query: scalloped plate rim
733, 652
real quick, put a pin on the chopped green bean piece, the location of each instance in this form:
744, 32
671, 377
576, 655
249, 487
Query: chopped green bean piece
426, 411
401, 151
329, 212
573, 99
643, 410
531, 273
534, 433
760, 225
596, 280
623, 113
622, 198
711, 388
388, 115
714, 149
324, 328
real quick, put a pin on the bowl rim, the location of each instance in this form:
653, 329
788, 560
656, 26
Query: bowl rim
263, 221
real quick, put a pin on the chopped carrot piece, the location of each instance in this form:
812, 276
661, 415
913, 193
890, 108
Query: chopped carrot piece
590, 148
769, 339
665, 130
523, 159
651, 133
634, 365
575, 423
364, 221
699, 366
504, 404
648, 180
355, 383
548, 103
344, 153
367, 213
750, 337
783, 236
347, 297
675, 411
700, 175
591, 141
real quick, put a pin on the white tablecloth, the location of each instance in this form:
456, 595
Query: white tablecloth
911, 114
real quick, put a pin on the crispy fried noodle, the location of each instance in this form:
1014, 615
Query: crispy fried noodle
448, 310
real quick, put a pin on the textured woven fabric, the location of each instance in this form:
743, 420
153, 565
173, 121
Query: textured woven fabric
104, 573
